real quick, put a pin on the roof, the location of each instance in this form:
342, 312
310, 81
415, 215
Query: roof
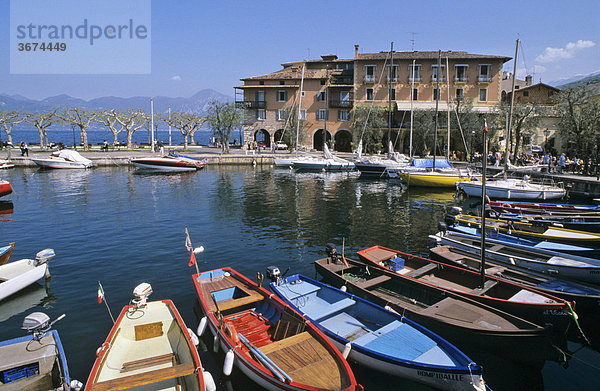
534, 85
429, 55
293, 72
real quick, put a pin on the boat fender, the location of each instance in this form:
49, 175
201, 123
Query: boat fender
347, 349
201, 326
216, 344
343, 288
235, 338
101, 349
76, 385
209, 382
193, 337
228, 364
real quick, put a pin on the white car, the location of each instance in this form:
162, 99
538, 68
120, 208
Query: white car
280, 145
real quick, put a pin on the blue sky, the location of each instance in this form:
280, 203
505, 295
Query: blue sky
200, 44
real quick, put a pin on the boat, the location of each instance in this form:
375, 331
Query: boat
420, 173
35, 362
529, 230
149, 347
535, 208
512, 189
580, 223
265, 338
377, 166
6, 164
378, 338
5, 188
328, 162
64, 158
6, 207
17, 275
5, 253
525, 302
167, 163
552, 263
460, 320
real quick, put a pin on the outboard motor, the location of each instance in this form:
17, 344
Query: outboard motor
442, 227
274, 274
44, 256
141, 293
332, 253
450, 219
38, 323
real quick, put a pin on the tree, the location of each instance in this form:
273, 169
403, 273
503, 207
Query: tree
8, 119
186, 123
291, 126
222, 119
471, 124
423, 129
368, 124
524, 116
42, 121
128, 120
578, 118
81, 118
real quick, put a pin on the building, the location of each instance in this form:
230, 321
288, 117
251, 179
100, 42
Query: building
333, 87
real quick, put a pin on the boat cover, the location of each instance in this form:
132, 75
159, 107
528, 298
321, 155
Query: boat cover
428, 163
73, 156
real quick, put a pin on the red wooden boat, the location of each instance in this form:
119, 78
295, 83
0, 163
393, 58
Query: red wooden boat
5, 188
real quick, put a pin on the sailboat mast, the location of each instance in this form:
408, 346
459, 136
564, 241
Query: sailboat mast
299, 109
448, 106
326, 106
437, 104
510, 110
412, 91
483, 202
390, 94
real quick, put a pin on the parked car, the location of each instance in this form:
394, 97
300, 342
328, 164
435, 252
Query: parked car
280, 145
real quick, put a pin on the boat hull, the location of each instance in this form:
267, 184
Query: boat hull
20, 274
433, 179
323, 166
164, 165
58, 164
5, 188
473, 189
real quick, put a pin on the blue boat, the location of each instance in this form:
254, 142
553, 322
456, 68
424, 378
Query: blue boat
378, 338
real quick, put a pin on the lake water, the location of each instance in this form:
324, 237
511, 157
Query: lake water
122, 228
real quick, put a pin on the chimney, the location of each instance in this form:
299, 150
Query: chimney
355, 51
528, 79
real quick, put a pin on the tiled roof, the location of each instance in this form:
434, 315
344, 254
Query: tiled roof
293, 72
428, 55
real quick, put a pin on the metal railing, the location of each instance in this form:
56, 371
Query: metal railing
341, 103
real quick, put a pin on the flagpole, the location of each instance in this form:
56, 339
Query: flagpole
106, 302
187, 235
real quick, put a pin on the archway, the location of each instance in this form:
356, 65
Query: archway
278, 135
318, 139
262, 138
343, 141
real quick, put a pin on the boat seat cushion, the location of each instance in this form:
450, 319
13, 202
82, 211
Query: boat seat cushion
345, 325
326, 310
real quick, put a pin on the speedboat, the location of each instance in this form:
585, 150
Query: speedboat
65, 158
511, 189
171, 163
6, 164
5, 188
17, 275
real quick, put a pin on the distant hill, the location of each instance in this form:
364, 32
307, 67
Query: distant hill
577, 81
196, 103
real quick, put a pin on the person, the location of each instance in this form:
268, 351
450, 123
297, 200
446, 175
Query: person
498, 158
105, 146
561, 163
24, 149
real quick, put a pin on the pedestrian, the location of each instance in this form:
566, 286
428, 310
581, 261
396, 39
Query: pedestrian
561, 163
24, 149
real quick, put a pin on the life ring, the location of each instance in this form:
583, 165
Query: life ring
230, 330
505, 205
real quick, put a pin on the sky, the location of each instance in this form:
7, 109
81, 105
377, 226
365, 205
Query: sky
194, 45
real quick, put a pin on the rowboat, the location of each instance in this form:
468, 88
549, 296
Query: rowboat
556, 264
509, 207
460, 320
5, 253
167, 164
265, 338
511, 189
380, 339
574, 222
525, 302
17, 275
148, 347
64, 158
525, 229
5, 188
37, 361
547, 207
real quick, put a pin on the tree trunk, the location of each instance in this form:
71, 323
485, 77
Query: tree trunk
84, 139
41, 133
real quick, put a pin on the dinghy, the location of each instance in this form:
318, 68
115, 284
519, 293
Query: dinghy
149, 347
511, 189
380, 339
5, 188
544, 208
35, 362
5, 253
267, 339
17, 275
6, 164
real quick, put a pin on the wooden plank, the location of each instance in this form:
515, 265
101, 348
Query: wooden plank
422, 270
284, 343
489, 284
147, 362
234, 303
373, 281
123, 383
208, 286
379, 254
148, 330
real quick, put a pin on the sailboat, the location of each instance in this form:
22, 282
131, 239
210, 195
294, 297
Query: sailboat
377, 165
328, 162
512, 188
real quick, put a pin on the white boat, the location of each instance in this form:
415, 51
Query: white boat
65, 158
5, 188
512, 189
328, 162
168, 163
379, 165
149, 348
17, 275
6, 164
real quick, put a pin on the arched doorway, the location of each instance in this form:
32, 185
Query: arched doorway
318, 139
262, 138
278, 135
343, 141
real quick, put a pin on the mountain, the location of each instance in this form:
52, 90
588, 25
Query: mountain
197, 103
577, 80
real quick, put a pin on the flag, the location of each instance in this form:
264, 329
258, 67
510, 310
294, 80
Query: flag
100, 293
192, 259
485, 129
188, 242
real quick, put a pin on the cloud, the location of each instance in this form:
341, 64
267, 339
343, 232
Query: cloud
176, 78
556, 54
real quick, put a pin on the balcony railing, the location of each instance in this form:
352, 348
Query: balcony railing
337, 103
461, 79
484, 78
342, 80
434, 79
370, 78
392, 79
252, 104
416, 79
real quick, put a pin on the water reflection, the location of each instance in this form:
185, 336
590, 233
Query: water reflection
33, 295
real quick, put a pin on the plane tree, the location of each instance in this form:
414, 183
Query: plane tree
223, 118
186, 123
128, 121
81, 118
42, 121
8, 119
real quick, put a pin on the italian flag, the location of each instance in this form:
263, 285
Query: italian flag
100, 293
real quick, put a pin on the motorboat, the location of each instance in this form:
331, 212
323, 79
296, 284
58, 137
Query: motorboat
17, 275
170, 163
548, 209
6, 164
64, 158
35, 362
364, 332
5, 188
512, 189
150, 348
265, 338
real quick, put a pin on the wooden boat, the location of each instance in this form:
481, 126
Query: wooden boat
525, 302
573, 222
6, 207
546, 208
167, 164
552, 263
149, 347
35, 362
64, 158
267, 339
524, 229
5, 188
460, 320
511, 189
5, 253
380, 339
17, 275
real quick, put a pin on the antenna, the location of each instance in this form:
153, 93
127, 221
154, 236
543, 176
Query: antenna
412, 40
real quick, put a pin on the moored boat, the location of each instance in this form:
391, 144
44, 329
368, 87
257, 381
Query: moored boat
167, 163
5, 188
17, 275
511, 189
5, 253
267, 339
65, 158
380, 339
149, 347
6, 164
328, 162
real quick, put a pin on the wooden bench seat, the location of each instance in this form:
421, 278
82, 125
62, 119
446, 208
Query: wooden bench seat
123, 383
489, 284
373, 281
333, 308
422, 270
148, 362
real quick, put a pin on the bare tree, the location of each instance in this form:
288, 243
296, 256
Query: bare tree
524, 116
129, 121
578, 117
8, 119
42, 121
81, 118
186, 123
222, 119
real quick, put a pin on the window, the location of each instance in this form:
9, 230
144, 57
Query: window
435, 72
303, 115
484, 72
436, 94
262, 83
343, 115
261, 114
393, 94
416, 76
344, 96
483, 94
461, 73
323, 82
260, 96
322, 115
345, 66
370, 73
281, 115
370, 95
415, 94
525, 93
394, 76
460, 94
321, 96
281, 96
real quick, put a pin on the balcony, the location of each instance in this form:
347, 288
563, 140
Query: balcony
342, 104
434, 79
416, 79
461, 79
392, 79
251, 104
344, 80
369, 78
484, 79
